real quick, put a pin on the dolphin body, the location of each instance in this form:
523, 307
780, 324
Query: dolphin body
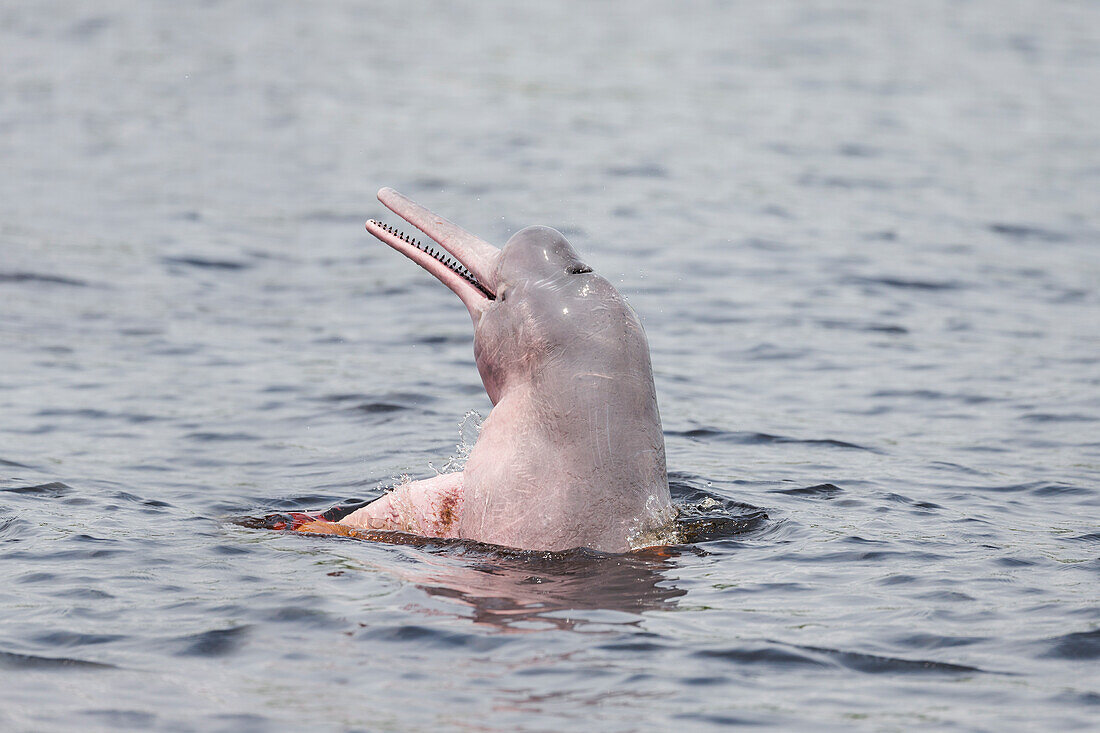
572, 453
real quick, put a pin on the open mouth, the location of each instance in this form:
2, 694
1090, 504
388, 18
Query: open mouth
446, 260
464, 263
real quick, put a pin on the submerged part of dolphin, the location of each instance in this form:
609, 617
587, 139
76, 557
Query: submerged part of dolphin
572, 454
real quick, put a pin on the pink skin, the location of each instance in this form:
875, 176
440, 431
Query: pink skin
429, 508
572, 453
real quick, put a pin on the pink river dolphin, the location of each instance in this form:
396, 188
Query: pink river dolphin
572, 453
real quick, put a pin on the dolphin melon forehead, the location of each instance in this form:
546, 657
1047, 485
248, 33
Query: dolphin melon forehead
537, 252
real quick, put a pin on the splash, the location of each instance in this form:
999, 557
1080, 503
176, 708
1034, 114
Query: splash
696, 516
469, 428
656, 526
395, 481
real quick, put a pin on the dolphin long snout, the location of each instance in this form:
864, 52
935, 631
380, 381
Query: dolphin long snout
473, 280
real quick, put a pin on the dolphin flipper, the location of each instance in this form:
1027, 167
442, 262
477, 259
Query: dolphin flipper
429, 508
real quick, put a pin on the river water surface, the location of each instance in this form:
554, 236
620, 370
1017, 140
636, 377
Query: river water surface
864, 239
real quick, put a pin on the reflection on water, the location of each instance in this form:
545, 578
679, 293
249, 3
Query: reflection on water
535, 591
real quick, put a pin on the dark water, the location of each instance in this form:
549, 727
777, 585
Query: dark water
863, 239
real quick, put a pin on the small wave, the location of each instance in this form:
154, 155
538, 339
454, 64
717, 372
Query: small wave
762, 655
930, 394
303, 616
936, 641
907, 284
214, 643
429, 637
1084, 645
1022, 232
34, 277
72, 638
209, 437
874, 664
90, 27
14, 529
24, 662
638, 171
379, 407
823, 491
1055, 417
1038, 488
206, 264
751, 438
92, 414
887, 328
846, 182
722, 721
122, 719
51, 490
436, 339
808, 656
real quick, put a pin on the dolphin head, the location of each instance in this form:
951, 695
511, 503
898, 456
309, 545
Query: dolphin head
552, 319
535, 304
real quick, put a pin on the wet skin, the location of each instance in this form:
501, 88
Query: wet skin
572, 454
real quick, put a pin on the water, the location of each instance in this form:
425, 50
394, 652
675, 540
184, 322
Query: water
863, 241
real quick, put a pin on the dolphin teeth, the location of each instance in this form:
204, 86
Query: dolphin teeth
444, 259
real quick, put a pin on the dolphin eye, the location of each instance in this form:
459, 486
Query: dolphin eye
578, 269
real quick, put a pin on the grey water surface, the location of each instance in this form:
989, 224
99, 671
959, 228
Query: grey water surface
864, 239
